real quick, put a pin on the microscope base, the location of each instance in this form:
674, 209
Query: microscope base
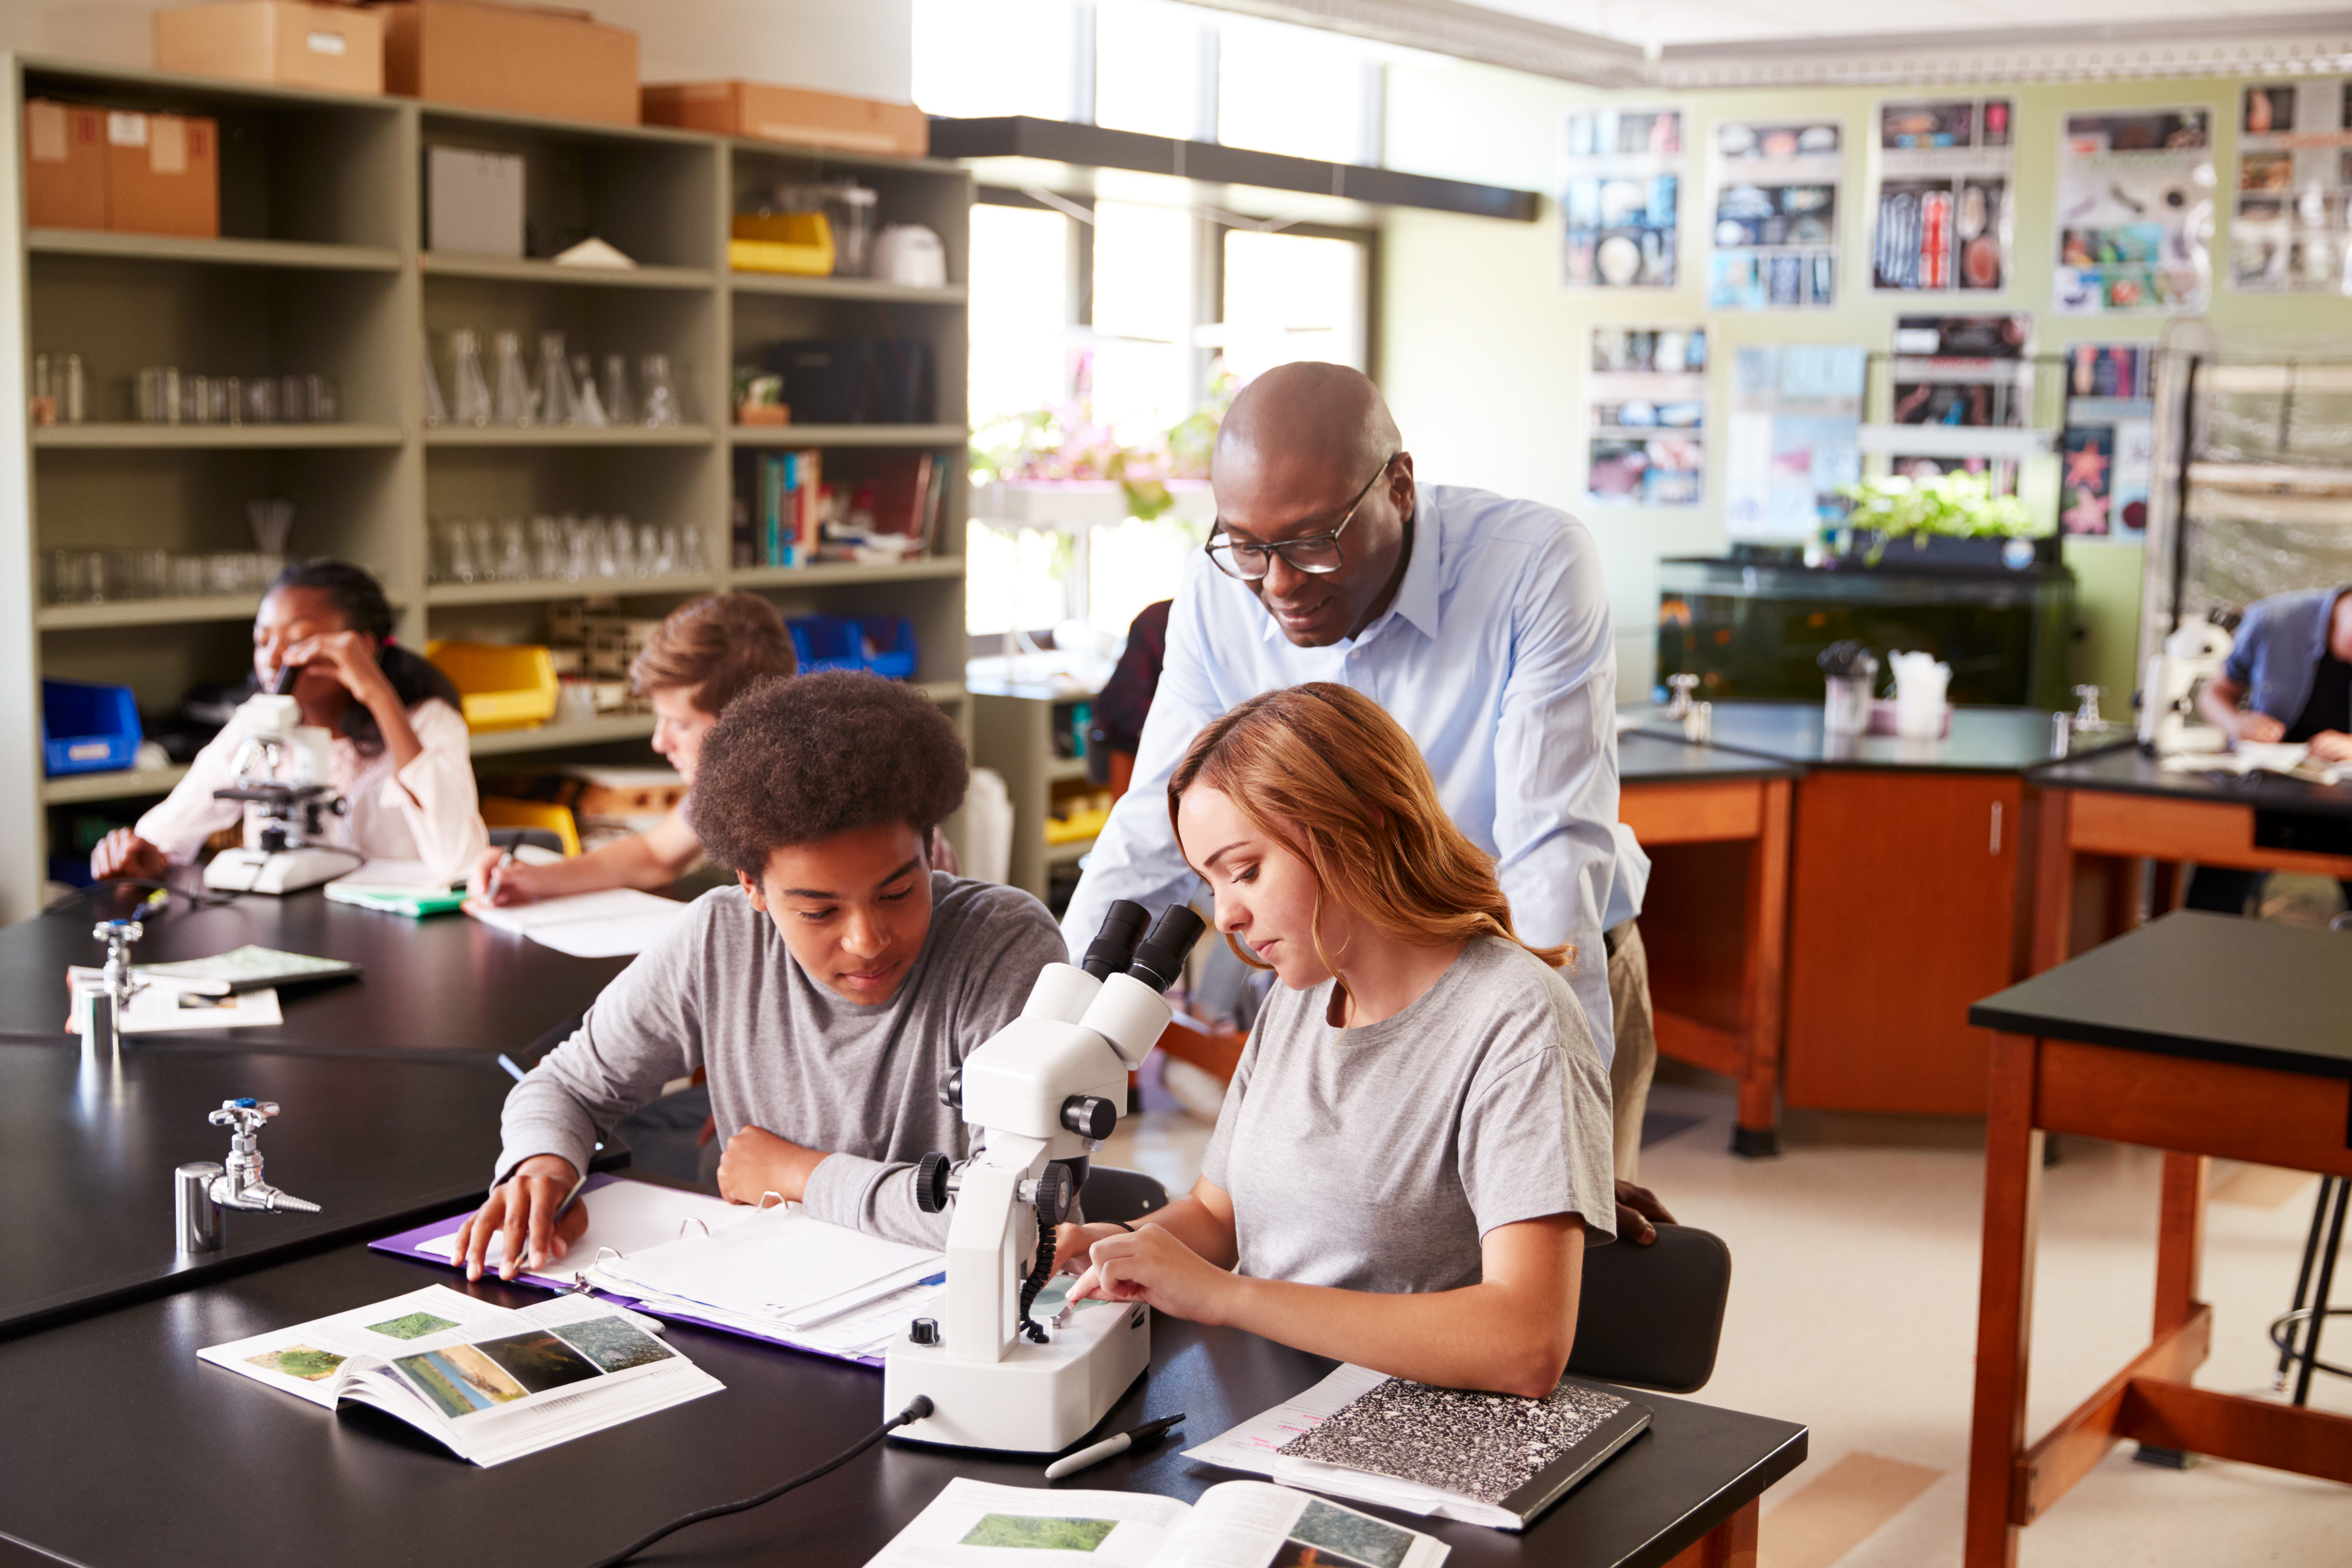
278, 871
1039, 1399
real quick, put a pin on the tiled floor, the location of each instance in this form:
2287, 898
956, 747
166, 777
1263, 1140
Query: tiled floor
1854, 1310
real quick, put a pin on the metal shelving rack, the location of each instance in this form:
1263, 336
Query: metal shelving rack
321, 268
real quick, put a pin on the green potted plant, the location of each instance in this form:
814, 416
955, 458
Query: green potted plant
1949, 506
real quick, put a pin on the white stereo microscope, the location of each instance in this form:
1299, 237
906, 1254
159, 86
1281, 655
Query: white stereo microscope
2170, 722
283, 768
1040, 1096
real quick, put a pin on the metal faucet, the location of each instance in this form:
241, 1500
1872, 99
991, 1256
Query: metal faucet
201, 1190
1683, 685
2087, 716
115, 985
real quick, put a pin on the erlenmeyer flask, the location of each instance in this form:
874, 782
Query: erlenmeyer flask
461, 552
661, 398
470, 390
689, 557
485, 561
516, 404
514, 556
559, 402
591, 407
619, 406
625, 548
436, 411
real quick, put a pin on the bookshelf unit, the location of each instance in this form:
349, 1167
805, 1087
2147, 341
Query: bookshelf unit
321, 267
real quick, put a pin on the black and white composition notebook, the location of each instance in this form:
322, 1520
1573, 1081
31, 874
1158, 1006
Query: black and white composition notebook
1487, 1458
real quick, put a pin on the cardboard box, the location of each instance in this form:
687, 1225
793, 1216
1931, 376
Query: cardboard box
795, 114
65, 165
519, 59
162, 174
290, 43
473, 201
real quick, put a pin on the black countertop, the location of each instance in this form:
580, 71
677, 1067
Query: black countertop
2127, 770
86, 1151
1644, 758
1982, 739
118, 1447
448, 984
2217, 987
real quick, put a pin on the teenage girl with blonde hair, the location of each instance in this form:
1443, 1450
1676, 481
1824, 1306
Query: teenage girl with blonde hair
1415, 1149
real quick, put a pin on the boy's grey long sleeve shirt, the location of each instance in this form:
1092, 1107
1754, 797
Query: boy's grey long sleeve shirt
785, 1052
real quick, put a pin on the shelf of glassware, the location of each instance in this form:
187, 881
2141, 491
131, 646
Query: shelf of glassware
547, 591
128, 785
296, 255
557, 737
567, 436
204, 437
147, 611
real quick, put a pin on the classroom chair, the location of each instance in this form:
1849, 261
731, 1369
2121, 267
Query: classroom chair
551, 826
1123, 1196
1651, 1316
2312, 1309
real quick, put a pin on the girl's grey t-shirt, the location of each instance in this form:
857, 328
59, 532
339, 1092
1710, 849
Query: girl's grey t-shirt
1377, 1158
787, 1053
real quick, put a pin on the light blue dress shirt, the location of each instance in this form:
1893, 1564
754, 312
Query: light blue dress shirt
1497, 659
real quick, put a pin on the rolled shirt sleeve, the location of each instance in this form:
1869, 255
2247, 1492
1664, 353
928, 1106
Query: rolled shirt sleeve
180, 822
435, 796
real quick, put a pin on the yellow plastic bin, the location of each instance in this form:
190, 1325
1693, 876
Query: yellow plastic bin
499, 811
798, 243
503, 685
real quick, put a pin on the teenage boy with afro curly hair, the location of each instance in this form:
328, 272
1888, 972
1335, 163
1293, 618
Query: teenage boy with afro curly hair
827, 993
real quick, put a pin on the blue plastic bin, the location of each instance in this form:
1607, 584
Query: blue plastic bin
87, 728
882, 644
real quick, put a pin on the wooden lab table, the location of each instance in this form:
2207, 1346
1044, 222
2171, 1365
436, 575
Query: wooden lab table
118, 1448
2138, 1042
2101, 815
1905, 901
1715, 917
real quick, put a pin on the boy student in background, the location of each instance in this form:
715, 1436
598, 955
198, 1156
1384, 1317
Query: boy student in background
1415, 1149
399, 754
698, 659
827, 993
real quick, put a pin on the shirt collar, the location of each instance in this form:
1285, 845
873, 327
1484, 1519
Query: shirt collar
1417, 595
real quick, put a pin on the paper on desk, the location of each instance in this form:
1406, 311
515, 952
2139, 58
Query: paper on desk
408, 876
167, 1010
612, 924
1252, 1445
2295, 761
780, 1267
627, 1216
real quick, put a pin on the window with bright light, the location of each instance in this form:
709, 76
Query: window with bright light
1021, 311
1145, 377
1148, 68
1292, 297
1298, 90
978, 58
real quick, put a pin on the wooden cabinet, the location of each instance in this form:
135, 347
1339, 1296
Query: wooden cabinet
1903, 909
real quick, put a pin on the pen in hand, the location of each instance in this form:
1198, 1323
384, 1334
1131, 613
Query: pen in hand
1096, 1453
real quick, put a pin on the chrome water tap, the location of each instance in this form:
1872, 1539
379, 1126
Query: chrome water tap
203, 1190
103, 1007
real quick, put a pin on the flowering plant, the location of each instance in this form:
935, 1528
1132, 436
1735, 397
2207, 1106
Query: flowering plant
1066, 441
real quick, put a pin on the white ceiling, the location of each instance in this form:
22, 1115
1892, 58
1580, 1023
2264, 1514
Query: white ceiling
1701, 22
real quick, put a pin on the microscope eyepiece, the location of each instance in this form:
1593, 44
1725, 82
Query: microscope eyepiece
1114, 945
1159, 961
283, 687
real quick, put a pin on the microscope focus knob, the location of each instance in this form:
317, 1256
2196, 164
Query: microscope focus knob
1089, 1116
923, 1331
951, 1089
931, 1183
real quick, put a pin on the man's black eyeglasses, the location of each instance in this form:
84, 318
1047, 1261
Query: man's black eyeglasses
1316, 553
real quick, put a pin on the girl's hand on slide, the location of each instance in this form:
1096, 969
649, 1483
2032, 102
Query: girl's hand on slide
1072, 1244
1151, 1265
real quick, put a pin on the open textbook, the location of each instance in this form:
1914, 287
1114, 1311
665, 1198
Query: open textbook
490, 1384
1487, 1458
769, 1273
2291, 759
1238, 1524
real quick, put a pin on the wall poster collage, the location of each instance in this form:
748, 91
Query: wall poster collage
1646, 387
1794, 441
1776, 216
1961, 373
1943, 217
2135, 211
2108, 446
1620, 202
2291, 229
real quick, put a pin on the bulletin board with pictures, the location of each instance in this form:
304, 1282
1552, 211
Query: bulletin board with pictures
2290, 229
1942, 219
2135, 211
1646, 390
1961, 373
1776, 214
1621, 198
2108, 449
1794, 441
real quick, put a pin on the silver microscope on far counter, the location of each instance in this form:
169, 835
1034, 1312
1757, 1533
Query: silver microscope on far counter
202, 1191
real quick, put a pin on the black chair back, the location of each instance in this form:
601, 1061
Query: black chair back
1124, 1196
1651, 1316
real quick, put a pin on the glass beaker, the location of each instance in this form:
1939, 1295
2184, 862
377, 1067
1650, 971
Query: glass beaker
261, 401
661, 399
619, 406
514, 555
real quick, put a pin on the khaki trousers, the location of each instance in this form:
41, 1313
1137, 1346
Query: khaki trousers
1636, 1060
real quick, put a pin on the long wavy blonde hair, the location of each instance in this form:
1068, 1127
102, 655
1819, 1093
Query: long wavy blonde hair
1324, 770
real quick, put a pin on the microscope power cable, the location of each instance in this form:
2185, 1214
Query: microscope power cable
917, 1409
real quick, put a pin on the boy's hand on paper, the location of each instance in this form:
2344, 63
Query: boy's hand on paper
521, 1209
1150, 1265
2331, 746
2260, 727
756, 1161
1636, 1207
497, 886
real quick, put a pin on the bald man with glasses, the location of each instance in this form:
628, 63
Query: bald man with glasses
1479, 623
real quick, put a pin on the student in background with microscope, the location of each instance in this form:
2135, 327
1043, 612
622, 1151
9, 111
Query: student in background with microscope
399, 757
827, 995
698, 659
2291, 666
1416, 1150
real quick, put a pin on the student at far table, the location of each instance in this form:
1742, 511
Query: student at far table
827, 994
1414, 1152
2291, 667
399, 755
